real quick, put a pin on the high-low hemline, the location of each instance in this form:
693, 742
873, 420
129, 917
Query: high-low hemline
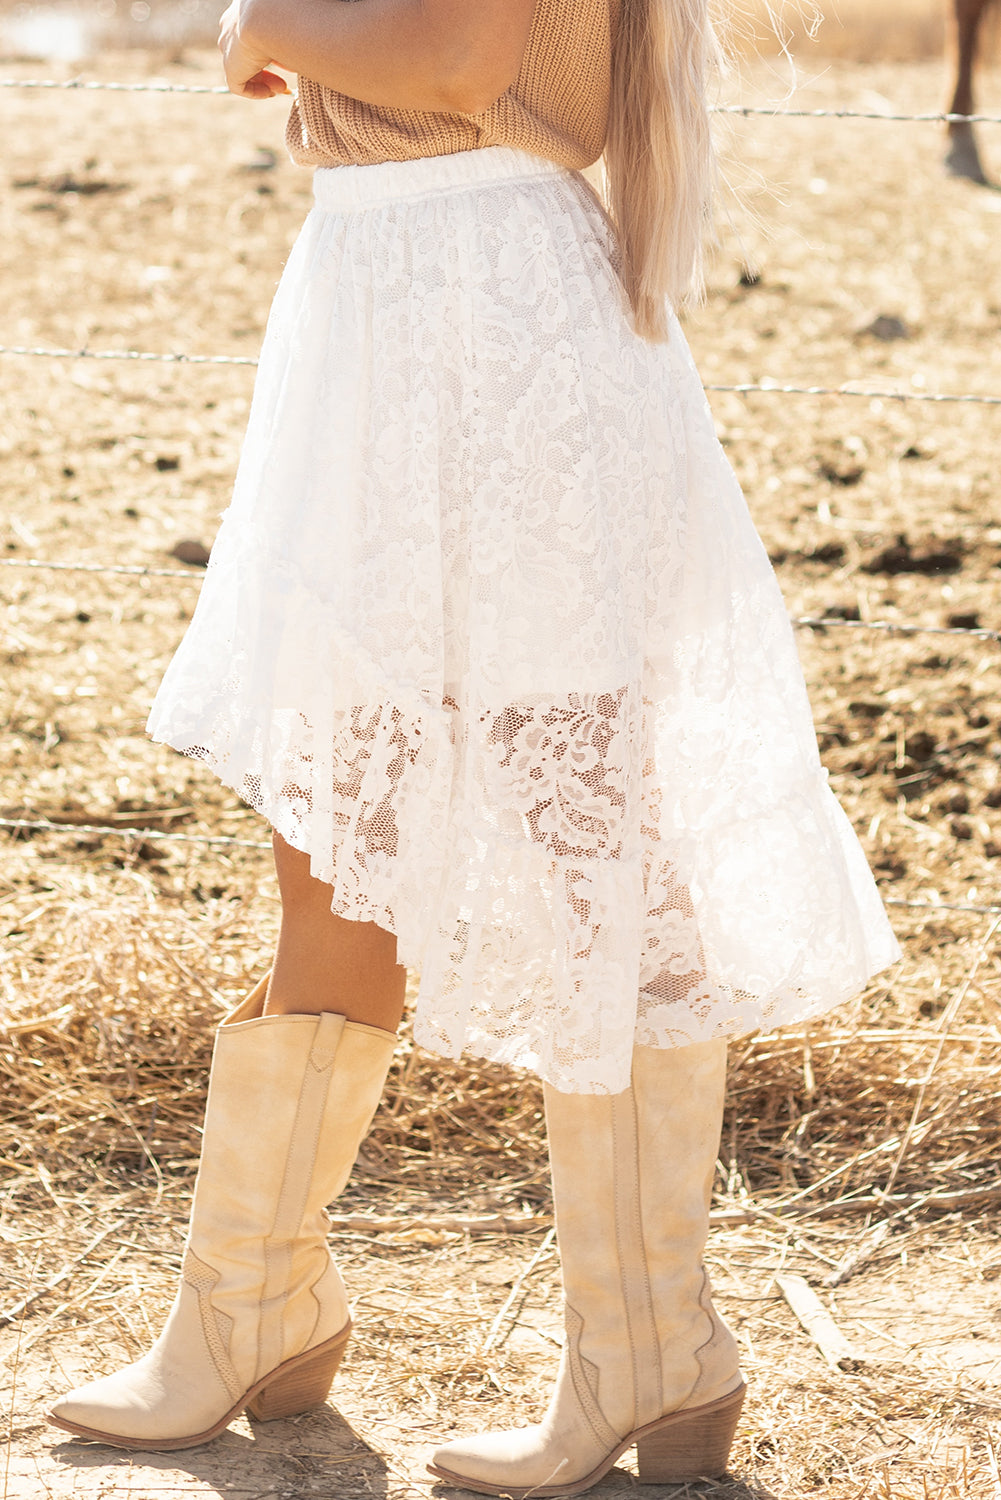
488, 633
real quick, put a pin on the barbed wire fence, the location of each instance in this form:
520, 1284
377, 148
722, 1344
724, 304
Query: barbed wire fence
744, 388
137, 834
161, 86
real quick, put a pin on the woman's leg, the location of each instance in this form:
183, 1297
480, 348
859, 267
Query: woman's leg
261, 1315
326, 963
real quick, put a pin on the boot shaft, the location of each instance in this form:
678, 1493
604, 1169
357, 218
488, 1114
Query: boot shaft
632, 1182
290, 1100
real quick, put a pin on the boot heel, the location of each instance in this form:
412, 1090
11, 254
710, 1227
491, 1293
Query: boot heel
300, 1383
690, 1444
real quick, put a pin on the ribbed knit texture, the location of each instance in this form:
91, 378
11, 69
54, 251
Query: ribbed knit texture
558, 108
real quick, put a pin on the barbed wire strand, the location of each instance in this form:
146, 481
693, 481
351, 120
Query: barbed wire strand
43, 825
988, 911
826, 622
94, 85
14, 825
773, 388
39, 564
929, 117
804, 622
161, 86
744, 388
142, 355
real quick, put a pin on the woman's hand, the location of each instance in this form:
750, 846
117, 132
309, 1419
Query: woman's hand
246, 68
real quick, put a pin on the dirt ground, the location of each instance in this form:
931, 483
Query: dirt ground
157, 222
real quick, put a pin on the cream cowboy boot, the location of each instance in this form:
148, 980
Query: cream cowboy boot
261, 1316
646, 1360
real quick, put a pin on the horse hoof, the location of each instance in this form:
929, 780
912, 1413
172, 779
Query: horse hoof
963, 160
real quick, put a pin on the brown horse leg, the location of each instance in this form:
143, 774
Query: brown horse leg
963, 159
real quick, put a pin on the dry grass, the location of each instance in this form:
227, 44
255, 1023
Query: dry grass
107, 1021
107, 1016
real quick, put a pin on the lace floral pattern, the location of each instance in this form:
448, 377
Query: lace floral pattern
488, 632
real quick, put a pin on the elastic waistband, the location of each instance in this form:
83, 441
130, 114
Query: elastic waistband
341, 189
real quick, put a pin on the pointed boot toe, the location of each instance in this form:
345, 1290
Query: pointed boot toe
517, 1458
173, 1397
91, 1408
133, 1407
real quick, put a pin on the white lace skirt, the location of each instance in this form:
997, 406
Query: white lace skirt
489, 634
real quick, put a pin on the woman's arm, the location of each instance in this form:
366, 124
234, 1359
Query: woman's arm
456, 56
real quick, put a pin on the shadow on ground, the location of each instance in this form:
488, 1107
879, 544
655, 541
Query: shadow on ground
278, 1456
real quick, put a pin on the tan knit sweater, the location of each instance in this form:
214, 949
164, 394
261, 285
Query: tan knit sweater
557, 108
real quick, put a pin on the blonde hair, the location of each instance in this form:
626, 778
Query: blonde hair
659, 161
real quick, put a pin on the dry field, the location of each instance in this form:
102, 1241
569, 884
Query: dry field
864, 1155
